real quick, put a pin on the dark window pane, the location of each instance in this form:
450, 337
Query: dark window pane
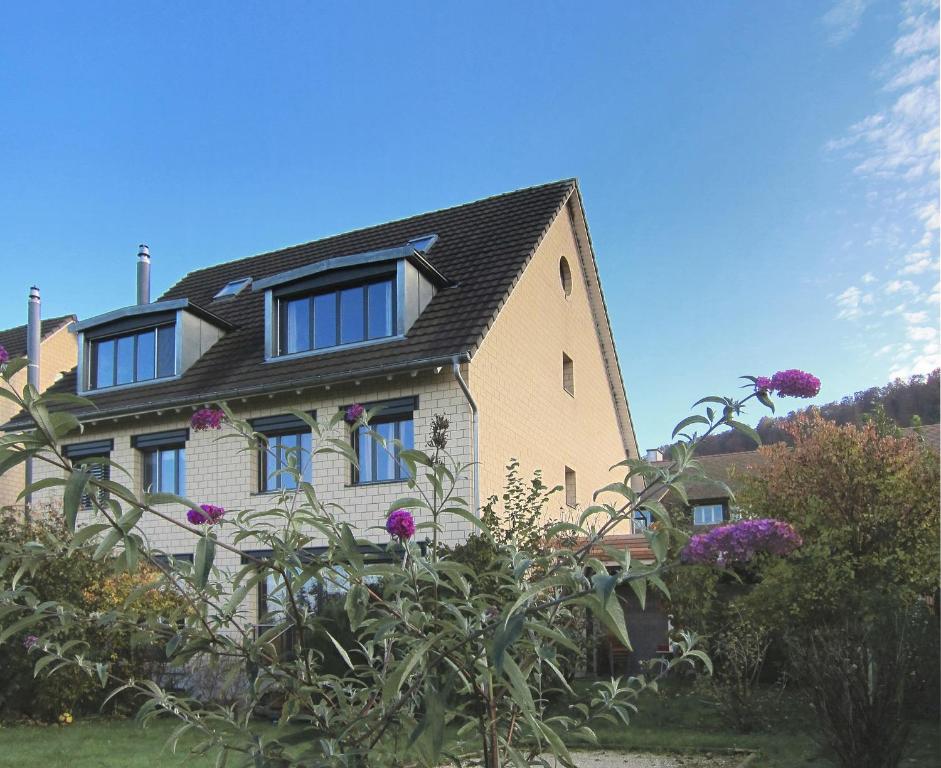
150, 472
307, 459
407, 438
146, 352
380, 309
166, 351
352, 319
181, 472
104, 369
289, 461
325, 320
125, 367
297, 326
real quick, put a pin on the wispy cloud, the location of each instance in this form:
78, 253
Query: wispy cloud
843, 19
895, 155
868, 278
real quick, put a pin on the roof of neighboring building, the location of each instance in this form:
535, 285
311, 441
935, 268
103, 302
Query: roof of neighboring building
931, 433
636, 543
14, 339
482, 249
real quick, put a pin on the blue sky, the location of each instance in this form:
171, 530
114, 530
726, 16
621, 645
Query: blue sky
761, 180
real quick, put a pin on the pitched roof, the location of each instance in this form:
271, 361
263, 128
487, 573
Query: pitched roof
482, 248
14, 339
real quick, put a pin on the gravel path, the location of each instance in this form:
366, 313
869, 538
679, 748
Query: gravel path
608, 759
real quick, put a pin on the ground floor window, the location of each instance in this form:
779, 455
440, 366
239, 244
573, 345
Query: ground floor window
377, 446
707, 514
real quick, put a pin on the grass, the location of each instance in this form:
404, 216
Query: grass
677, 720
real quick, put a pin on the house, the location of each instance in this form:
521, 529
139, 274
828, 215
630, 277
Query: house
489, 313
56, 350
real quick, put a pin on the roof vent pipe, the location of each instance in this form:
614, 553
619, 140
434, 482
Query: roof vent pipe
654, 454
143, 274
33, 335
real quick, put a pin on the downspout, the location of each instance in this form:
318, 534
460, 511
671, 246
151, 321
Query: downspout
456, 367
33, 339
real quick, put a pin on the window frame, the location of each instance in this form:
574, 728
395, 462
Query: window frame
282, 300
276, 427
92, 356
392, 412
571, 501
96, 449
152, 445
712, 505
568, 375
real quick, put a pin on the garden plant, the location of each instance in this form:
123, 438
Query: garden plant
441, 662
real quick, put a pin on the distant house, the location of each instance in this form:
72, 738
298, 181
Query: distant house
58, 355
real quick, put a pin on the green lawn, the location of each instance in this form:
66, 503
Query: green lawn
673, 721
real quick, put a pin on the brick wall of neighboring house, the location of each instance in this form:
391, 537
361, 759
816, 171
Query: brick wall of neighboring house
517, 378
220, 472
58, 353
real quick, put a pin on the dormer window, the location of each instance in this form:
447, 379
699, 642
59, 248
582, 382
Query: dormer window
330, 319
132, 357
363, 298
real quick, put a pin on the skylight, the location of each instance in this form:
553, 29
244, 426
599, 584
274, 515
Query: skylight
233, 288
423, 244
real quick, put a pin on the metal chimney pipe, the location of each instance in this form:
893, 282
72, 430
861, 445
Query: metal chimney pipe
143, 274
33, 336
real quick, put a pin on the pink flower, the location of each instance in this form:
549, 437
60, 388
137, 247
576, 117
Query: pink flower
401, 525
30, 640
740, 542
4, 358
207, 514
207, 418
789, 383
354, 413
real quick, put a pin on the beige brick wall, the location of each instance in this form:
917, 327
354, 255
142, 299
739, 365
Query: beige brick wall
57, 355
220, 472
516, 378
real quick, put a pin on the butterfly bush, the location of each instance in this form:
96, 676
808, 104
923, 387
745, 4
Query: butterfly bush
207, 418
790, 383
30, 640
401, 525
354, 413
4, 355
740, 542
207, 514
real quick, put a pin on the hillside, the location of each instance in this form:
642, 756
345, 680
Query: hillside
905, 402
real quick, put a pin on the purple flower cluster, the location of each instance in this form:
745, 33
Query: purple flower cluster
4, 355
790, 383
740, 542
207, 514
354, 413
401, 525
207, 418
30, 640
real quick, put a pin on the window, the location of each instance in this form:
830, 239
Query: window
571, 498
568, 374
140, 356
378, 459
163, 461
642, 520
707, 514
330, 319
565, 276
84, 455
287, 454
233, 288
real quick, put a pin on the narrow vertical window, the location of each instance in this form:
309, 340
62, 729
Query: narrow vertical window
377, 448
568, 374
571, 496
163, 461
286, 456
92, 457
352, 315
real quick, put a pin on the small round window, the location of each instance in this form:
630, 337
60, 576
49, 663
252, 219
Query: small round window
565, 275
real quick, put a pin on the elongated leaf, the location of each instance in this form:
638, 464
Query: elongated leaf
746, 430
72, 496
507, 633
694, 419
202, 564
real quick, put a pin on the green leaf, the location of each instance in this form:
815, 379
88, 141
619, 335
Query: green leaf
340, 649
745, 430
694, 419
202, 565
507, 633
640, 589
107, 544
72, 496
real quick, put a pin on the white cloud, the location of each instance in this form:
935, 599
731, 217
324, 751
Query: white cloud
843, 19
901, 285
922, 68
918, 262
850, 303
914, 318
868, 278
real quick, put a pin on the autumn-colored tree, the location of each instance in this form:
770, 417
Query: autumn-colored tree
850, 606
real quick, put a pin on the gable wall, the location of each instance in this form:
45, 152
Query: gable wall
57, 355
516, 378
